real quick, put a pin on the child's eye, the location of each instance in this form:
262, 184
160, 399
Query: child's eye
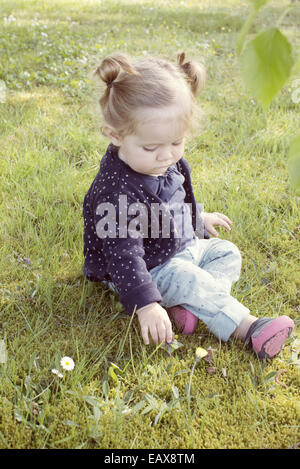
154, 148
149, 149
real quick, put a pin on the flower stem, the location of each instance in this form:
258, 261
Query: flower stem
190, 385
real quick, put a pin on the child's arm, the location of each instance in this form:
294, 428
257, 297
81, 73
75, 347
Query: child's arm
122, 256
154, 318
215, 218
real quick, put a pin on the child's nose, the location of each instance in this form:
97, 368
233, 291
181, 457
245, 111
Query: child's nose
165, 154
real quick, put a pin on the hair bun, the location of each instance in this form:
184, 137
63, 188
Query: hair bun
111, 66
194, 72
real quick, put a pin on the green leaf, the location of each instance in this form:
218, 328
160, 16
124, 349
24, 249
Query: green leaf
257, 4
294, 162
112, 374
175, 392
91, 400
270, 376
105, 388
116, 367
244, 31
170, 348
140, 405
71, 423
97, 413
266, 64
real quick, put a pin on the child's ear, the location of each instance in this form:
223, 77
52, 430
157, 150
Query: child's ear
112, 134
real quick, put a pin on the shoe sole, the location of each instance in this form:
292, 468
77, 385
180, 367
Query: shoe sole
272, 338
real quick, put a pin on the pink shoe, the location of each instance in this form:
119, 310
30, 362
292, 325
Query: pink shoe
268, 335
184, 320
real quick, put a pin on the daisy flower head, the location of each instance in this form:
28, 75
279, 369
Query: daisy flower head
200, 353
57, 373
67, 363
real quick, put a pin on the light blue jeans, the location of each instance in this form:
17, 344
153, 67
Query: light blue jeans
199, 278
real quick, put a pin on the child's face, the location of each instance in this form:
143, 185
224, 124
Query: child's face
157, 143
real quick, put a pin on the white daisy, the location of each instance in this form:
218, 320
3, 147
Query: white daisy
57, 373
67, 363
201, 352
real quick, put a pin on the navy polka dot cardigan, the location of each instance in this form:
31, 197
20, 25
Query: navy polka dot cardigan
112, 252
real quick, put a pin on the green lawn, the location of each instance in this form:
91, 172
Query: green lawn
50, 147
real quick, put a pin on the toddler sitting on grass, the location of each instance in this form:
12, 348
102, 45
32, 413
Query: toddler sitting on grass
144, 233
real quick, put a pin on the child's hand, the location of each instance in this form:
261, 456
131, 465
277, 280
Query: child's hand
155, 319
215, 218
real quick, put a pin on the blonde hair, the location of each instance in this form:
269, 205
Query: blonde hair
150, 82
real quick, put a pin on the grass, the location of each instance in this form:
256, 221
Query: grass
122, 394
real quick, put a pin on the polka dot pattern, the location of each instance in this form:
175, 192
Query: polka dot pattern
123, 235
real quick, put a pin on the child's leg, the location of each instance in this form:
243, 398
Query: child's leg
205, 293
221, 258
200, 278
266, 335
243, 328
223, 261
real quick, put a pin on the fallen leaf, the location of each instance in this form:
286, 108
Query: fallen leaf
209, 357
211, 370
